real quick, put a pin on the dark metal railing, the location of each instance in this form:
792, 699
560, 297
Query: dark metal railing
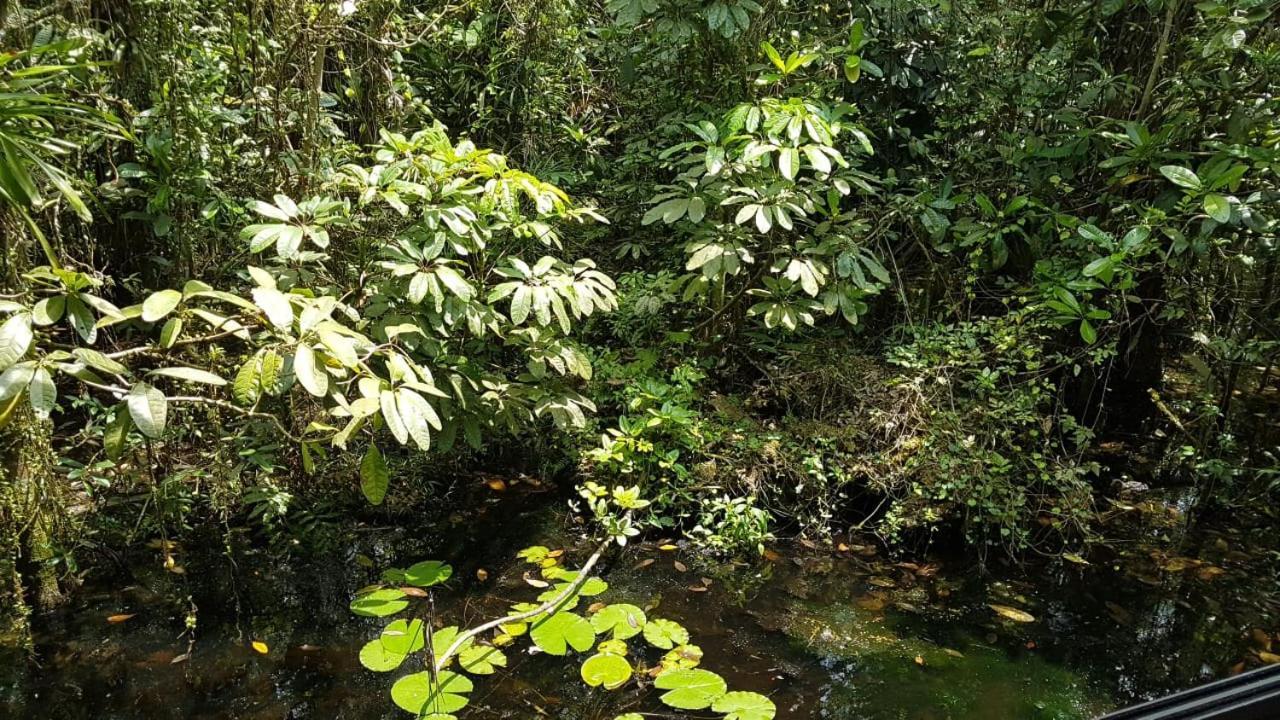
1254, 695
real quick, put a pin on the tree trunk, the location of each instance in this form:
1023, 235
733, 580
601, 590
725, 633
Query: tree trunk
30, 504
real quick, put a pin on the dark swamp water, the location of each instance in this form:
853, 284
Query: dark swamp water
839, 632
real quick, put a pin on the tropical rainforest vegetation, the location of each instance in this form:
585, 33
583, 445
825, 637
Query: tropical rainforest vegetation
938, 270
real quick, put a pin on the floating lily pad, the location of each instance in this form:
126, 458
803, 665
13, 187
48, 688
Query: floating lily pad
745, 706
416, 694
665, 634
482, 659
609, 671
403, 637
427, 573
375, 656
691, 689
564, 630
623, 620
379, 603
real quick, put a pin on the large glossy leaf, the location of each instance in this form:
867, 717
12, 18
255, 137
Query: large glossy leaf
148, 408
15, 339
159, 304
42, 393
374, 477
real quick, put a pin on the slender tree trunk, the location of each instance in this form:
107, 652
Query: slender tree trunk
1162, 50
29, 503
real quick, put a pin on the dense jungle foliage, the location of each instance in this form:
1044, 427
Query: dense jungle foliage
934, 269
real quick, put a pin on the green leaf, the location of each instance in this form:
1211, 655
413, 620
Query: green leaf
275, 305
402, 637
379, 603
665, 634
417, 694
482, 659
170, 333
554, 635
313, 378
148, 408
49, 310
427, 573
609, 671
1217, 207
745, 706
375, 656
15, 339
42, 393
117, 432
691, 689
190, 374
623, 620
374, 477
159, 304
1181, 176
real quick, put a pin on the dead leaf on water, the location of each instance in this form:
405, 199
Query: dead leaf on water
1072, 557
772, 556
180, 658
482, 574
698, 588
667, 548
680, 566
920, 660
535, 582
596, 607
416, 592
644, 564
113, 619
953, 653
1269, 658
1013, 613
1119, 614
496, 484
260, 647
1210, 572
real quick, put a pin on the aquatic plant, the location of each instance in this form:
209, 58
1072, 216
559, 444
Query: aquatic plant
615, 637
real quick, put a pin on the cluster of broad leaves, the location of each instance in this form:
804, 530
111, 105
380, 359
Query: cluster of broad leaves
460, 322
614, 638
768, 199
683, 20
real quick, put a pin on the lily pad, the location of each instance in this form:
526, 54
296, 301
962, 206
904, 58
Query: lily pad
564, 630
609, 671
416, 694
691, 689
427, 573
375, 656
623, 620
482, 659
379, 603
745, 706
665, 634
403, 637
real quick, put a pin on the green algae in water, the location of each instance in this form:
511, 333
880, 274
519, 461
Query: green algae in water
879, 673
